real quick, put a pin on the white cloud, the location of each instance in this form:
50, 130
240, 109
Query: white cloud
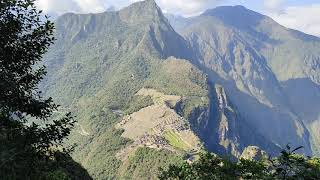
303, 18
80, 6
58, 6
186, 7
182, 7
273, 4
92, 5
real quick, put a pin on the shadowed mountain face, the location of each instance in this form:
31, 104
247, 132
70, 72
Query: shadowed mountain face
238, 80
256, 58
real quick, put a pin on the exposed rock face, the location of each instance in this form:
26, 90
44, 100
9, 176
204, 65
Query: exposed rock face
227, 124
247, 53
222, 129
253, 153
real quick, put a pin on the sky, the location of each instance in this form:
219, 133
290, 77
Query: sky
303, 15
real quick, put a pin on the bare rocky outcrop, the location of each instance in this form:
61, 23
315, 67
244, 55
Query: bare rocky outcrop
223, 130
253, 153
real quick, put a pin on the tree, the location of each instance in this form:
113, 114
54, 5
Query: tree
209, 166
288, 165
27, 149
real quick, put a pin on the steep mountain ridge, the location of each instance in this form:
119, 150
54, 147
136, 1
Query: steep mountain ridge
110, 37
100, 63
278, 44
233, 45
223, 130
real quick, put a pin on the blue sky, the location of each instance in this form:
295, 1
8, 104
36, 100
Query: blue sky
303, 15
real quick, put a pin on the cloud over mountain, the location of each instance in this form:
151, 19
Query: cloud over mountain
186, 7
304, 18
273, 4
80, 6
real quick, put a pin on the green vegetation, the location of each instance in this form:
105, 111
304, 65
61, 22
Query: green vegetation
173, 74
96, 66
145, 163
189, 105
288, 165
29, 149
100, 61
97, 151
137, 103
174, 140
94, 73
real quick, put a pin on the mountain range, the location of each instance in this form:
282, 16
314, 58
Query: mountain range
149, 89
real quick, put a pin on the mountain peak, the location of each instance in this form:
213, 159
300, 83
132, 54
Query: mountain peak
238, 16
230, 10
142, 11
151, 2
146, 4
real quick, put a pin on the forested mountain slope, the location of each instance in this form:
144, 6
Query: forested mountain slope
213, 85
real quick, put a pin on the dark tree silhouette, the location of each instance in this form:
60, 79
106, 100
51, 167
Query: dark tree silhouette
27, 149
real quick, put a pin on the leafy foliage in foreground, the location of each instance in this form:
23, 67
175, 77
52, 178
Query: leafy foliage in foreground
29, 150
145, 163
288, 165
